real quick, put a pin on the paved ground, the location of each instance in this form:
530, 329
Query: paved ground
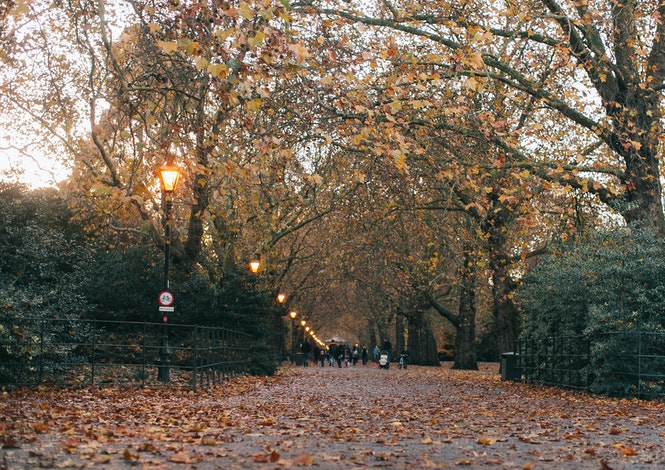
331, 418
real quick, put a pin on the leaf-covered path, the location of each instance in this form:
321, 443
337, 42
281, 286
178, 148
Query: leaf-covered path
356, 417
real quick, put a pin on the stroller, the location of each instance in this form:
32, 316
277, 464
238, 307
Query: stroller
384, 360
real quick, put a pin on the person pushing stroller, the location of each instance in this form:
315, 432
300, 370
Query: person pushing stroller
384, 358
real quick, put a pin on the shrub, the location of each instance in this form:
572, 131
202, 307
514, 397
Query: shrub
608, 287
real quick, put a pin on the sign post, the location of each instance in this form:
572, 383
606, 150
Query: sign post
165, 300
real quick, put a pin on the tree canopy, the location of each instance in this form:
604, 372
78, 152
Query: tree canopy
383, 159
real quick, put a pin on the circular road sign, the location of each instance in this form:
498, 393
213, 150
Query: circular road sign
165, 298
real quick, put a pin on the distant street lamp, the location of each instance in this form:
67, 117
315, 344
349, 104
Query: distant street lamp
301, 333
293, 314
255, 264
279, 325
169, 175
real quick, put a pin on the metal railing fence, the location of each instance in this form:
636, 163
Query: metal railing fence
69, 352
626, 364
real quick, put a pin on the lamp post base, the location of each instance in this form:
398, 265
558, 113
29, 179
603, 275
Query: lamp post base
164, 370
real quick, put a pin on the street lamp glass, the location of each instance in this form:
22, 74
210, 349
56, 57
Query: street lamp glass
281, 298
293, 314
169, 175
254, 265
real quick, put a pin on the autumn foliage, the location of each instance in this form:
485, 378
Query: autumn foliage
410, 156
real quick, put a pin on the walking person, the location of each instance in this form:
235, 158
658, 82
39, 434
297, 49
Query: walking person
322, 356
386, 348
306, 349
364, 355
404, 358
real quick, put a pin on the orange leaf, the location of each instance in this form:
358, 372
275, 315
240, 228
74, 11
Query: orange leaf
305, 459
41, 428
623, 449
182, 457
486, 441
128, 455
260, 458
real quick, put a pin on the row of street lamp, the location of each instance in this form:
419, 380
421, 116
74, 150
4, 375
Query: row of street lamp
303, 323
169, 176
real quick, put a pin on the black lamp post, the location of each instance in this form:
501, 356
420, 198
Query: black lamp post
169, 176
279, 325
293, 314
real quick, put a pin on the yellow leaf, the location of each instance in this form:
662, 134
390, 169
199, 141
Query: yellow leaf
224, 33
257, 40
400, 164
473, 84
486, 441
21, 8
254, 105
217, 70
246, 12
168, 47
101, 459
192, 47
202, 64
359, 176
300, 51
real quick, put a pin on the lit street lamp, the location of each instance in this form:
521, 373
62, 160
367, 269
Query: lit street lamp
169, 176
279, 325
255, 264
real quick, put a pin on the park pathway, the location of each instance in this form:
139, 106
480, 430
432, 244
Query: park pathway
332, 418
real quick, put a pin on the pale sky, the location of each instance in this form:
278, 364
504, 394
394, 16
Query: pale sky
33, 172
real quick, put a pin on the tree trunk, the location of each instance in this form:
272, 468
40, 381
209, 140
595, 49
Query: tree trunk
506, 315
422, 344
465, 336
400, 333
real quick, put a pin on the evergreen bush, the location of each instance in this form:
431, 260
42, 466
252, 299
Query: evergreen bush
605, 290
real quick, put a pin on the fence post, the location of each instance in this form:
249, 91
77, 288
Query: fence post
196, 355
94, 347
144, 346
41, 350
639, 364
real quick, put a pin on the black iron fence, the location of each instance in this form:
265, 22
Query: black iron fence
67, 352
627, 364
